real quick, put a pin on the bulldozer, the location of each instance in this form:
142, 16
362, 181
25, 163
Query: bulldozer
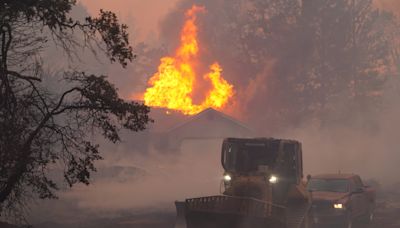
262, 187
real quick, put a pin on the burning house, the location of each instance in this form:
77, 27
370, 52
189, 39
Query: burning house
187, 96
171, 131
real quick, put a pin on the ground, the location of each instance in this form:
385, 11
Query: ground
388, 211
387, 215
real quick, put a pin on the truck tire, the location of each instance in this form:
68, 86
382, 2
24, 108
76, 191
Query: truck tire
369, 217
348, 223
305, 223
308, 220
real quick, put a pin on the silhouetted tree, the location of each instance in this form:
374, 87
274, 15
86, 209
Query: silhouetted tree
293, 61
350, 57
332, 59
41, 129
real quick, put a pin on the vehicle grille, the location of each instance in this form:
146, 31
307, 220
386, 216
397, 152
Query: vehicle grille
322, 207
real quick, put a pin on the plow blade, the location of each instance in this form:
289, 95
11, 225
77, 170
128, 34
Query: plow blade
228, 212
180, 215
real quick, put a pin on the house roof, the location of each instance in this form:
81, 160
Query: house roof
334, 176
167, 121
208, 112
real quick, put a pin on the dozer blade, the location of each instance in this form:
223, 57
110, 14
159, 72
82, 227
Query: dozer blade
228, 212
180, 215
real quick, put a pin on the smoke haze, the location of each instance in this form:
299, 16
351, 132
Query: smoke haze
142, 17
390, 5
267, 77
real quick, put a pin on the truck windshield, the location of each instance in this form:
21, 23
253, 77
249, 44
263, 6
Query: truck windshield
328, 185
246, 157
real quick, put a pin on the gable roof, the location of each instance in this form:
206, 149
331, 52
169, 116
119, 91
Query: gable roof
209, 111
166, 121
334, 176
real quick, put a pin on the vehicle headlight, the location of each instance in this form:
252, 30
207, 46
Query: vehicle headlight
338, 206
273, 179
227, 178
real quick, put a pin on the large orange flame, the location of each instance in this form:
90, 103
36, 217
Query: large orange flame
172, 86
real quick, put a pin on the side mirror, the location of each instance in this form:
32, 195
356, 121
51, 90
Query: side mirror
358, 191
263, 169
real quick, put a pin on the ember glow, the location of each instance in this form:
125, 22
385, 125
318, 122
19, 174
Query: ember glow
172, 86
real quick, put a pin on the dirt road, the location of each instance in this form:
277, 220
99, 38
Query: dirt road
387, 215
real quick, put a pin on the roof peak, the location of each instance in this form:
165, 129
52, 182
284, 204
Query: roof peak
207, 110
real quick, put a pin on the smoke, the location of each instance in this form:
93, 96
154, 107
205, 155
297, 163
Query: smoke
129, 183
141, 16
389, 5
166, 178
348, 150
369, 150
353, 136
346, 138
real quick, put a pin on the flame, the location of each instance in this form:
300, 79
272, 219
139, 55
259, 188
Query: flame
172, 86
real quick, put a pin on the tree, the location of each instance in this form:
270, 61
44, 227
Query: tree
40, 128
350, 57
294, 61
332, 59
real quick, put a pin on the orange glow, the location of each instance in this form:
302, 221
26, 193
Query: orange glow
172, 86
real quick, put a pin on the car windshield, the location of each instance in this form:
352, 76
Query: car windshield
328, 185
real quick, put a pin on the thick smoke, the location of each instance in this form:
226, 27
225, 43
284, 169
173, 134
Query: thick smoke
129, 183
340, 132
165, 179
267, 74
372, 153
390, 5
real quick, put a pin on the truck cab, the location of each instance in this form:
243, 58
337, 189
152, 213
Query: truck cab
263, 168
340, 199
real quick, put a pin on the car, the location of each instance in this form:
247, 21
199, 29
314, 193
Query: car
340, 200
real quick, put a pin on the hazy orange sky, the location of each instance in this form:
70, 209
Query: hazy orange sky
144, 15
141, 15
392, 5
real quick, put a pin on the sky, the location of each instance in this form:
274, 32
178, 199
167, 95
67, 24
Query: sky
141, 15
147, 13
392, 5
144, 15
173, 178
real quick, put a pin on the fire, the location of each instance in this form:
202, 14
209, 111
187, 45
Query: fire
172, 86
